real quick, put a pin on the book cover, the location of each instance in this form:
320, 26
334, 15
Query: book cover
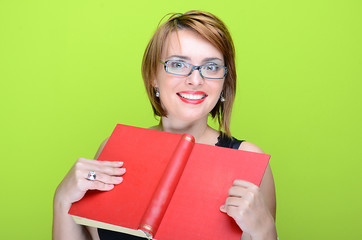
192, 211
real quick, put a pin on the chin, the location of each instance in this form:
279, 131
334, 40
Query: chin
191, 116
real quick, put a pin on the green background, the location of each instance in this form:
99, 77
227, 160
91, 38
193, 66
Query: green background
70, 70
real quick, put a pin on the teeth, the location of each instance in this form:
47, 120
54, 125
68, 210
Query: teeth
192, 96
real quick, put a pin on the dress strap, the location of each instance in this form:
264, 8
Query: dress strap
228, 142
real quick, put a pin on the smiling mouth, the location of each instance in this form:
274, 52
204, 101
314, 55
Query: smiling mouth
192, 96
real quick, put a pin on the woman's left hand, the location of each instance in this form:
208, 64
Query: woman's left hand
246, 205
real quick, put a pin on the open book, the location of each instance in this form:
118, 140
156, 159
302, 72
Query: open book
173, 187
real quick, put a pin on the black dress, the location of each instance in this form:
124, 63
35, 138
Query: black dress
223, 141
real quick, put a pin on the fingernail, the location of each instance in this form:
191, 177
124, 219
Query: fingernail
123, 170
119, 179
222, 208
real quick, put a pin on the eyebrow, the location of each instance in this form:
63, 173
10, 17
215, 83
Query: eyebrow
187, 58
179, 56
212, 59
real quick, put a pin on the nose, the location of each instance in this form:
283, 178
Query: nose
195, 78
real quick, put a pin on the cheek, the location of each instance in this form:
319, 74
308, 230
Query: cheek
167, 91
167, 84
218, 87
158, 78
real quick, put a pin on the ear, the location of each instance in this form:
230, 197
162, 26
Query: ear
154, 83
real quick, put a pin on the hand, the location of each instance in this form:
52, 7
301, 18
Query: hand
245, 204
75, 184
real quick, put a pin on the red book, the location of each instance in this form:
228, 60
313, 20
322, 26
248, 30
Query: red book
173, 188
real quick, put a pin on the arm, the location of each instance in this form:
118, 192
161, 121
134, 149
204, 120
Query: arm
253, 208
72, 189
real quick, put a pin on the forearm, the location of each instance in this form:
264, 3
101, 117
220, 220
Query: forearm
72, 189
64, 227
272, 235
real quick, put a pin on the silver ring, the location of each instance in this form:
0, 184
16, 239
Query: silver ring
91, 176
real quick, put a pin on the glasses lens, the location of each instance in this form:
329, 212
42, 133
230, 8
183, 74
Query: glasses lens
178, 67
213, 71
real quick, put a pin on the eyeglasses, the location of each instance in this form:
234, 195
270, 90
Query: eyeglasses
208, 70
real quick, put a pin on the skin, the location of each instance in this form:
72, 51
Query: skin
252, 207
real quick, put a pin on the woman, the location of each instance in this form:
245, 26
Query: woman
189, 72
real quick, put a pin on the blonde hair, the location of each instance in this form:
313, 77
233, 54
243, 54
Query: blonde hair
213, 30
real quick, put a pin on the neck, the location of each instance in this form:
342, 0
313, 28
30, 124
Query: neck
199, 129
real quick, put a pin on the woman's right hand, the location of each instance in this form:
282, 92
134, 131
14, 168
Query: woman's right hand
75, 184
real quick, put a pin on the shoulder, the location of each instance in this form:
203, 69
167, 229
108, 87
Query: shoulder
251, 147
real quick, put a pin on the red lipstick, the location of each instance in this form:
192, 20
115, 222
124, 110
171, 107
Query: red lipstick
192, 97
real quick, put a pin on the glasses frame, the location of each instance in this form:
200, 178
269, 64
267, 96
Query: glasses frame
165, 64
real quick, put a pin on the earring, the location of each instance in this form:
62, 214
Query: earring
222, 99
157, 93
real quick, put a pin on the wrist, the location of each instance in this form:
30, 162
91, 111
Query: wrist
61, 206
60, 202
267, 231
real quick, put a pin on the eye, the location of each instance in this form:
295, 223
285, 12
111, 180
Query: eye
212, 67
177, 65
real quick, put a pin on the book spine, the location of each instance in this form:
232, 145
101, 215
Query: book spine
167, 185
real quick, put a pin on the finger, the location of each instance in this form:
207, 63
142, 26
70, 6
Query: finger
96, 185
234, 201
106, 170
235, 213
94, 165
236, 208
107, 179
236, 191
248, 195
222, 208
109, 163
101, 163
245, 184
84, 185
